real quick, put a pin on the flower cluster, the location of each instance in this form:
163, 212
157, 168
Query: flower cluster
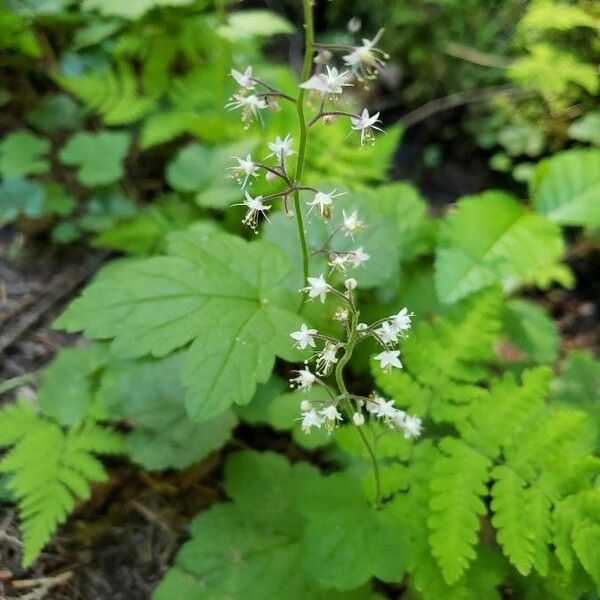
328, 83
330, 354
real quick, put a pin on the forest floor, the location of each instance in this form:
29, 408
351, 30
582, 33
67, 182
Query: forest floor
120, 543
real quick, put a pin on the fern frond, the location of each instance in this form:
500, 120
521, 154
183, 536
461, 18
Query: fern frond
522, 520
49, 469
512, 405
111, 94
443, 357
586, 543
547, 435
458, 484
16, 420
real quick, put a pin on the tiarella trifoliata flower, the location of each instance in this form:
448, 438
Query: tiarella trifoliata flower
304, 337
384, 409
402, 320
255, 207
358, 419
326, 358
366, 60
281, 148
365, 124
310, 419
338, 261
244, 80
350, 223
305, 405
250, 105
244, 170
388, 359
412, 426
373, 403
324, 202
341, 314
330, 83
304, 380
387, 333
358, 257
331, 416
317, 288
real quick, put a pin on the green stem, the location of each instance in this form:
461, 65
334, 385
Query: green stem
339, 378
308, 58
14, 382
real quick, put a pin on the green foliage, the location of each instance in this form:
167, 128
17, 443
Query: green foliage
458, 485
565, 188
98, 156
148, 395
58, 112
531, 329
490, 239
290, 544
133, 9
246, 23
111, 94
21, 153
211, 290
49, 469
199, 169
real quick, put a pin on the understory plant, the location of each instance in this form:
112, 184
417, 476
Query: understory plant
381, 340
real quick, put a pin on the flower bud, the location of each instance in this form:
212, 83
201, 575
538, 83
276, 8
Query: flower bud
329, 119
305, 405
350, 283
274, 106
358, 419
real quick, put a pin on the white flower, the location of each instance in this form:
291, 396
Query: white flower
388, 359
350, 223
305, 337
412, 426
384, 409
358, 257
366, 60
250, 105
255, 207
365, 124
358, 419
244, 79
402, 320
332, 82
317, 287
244, 170
331, 416
281, 148
341, 314
311, 418
304, 380
387, 333
338, 261
397, 419
326, 358
324, 202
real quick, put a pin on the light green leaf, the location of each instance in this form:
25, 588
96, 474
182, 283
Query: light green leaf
531, 329
586, 128
70, 403
566, 188
458, 485
215, 291
247, 23
149, 396
132, 9
549, 14
490, 239
98, 156
21, 153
